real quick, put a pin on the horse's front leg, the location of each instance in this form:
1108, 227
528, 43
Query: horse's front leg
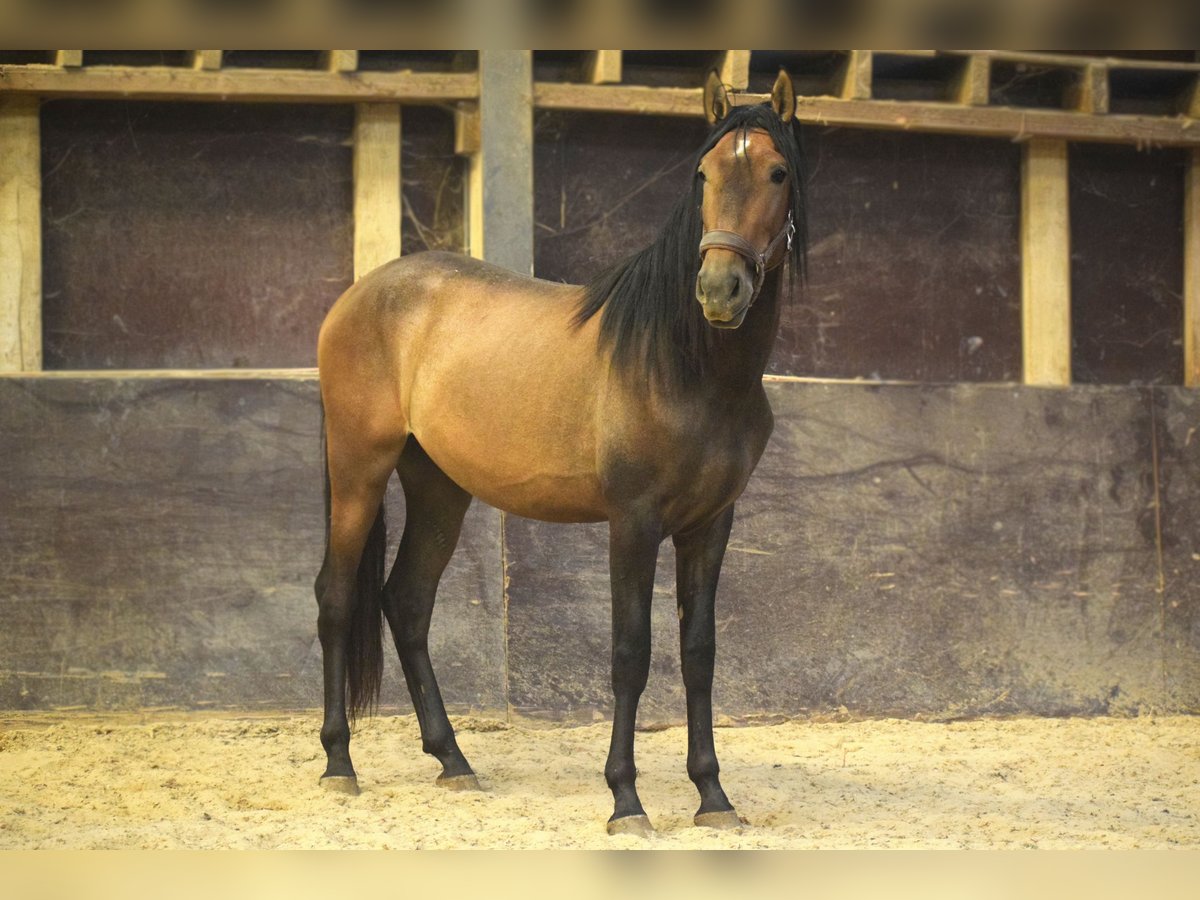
633, 553
698, 556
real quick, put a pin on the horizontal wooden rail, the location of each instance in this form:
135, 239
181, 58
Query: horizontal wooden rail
178, 83
947, 118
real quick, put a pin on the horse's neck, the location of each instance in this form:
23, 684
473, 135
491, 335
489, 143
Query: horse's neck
740, 357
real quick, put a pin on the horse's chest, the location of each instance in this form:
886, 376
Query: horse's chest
706, 469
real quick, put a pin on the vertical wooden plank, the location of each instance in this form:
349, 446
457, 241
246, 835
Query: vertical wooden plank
339, 60
207, 60
973, 84
855, 76
377, 186
1089, 93
1045, 263
20, 235
68, 58
735, 69
1189, 102
603, 67
500, 179
1191, 272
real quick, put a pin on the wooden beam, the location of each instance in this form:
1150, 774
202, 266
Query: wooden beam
854, 76
165, 83
1067, 61
1045, 264
1089, 92
1191, 272
664, 101
377, 186
500, 179
209, 60
339, 60
69, 59
466, 129
941, 118
20, 235
972, 86
603, 67
735, 69
1007, 122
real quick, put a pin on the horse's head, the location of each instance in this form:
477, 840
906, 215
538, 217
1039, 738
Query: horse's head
746, 208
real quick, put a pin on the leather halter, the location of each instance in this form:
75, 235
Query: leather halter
731, 240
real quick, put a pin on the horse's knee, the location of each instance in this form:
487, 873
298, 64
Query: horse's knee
630, 666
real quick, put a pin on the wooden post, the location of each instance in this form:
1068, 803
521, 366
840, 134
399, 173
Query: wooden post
1045, 263
855, 76
1191, 271
339, 60
1089, 93
603, 67
735, 69
20, 235
376, 185
500, 179
207, 60
972, 87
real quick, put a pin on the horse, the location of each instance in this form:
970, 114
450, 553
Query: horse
635, 399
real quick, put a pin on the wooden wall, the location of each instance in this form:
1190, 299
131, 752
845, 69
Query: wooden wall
922, 551
954, 546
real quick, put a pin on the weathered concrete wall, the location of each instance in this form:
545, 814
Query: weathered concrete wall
932, 551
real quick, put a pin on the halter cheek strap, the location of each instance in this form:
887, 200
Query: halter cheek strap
731, 240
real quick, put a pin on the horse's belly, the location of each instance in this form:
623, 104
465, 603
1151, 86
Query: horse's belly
526, 481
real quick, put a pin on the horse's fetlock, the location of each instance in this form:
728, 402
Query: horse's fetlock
335, 736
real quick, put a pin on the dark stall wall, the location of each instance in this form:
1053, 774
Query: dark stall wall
181, 235
915, 269
914, 257
200, 235
1126, 265
902, 550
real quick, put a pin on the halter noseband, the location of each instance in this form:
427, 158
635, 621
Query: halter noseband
731, 240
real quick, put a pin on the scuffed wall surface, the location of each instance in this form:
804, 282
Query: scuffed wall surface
915, 551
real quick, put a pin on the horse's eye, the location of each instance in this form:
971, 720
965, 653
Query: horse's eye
779, 176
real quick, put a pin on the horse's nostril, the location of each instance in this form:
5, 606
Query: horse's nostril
735, 288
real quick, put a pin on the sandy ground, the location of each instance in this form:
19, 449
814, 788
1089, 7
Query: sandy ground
215, 781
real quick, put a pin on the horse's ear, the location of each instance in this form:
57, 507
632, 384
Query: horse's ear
716, 100
783, 96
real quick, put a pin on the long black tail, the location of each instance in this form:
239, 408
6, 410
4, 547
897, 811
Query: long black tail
364, 652
364, 645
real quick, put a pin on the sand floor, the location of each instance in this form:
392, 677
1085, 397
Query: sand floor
174, 780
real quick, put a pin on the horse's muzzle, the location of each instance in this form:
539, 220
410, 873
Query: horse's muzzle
725, 295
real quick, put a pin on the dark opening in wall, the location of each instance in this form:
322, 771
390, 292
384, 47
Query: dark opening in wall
176, 58
898, 77
814, 74
418, 60
271, 59
1034, 86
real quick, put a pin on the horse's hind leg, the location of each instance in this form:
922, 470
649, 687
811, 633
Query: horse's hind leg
348, 588
434, 511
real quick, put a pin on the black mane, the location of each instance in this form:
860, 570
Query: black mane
649, 315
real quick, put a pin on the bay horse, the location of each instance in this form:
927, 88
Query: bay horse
636, 399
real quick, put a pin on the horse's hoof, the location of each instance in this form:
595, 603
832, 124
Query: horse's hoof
459, 782
341, 784
639, 826
723, 820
